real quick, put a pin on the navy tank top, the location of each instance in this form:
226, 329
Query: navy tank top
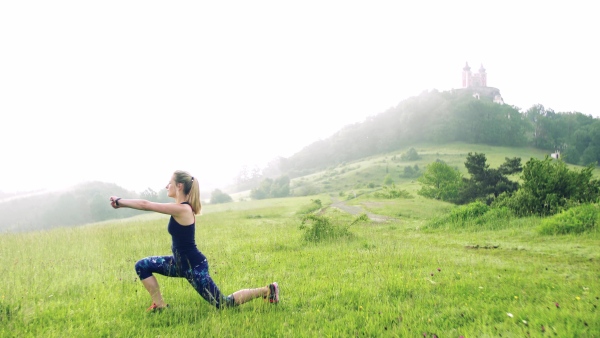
184, 247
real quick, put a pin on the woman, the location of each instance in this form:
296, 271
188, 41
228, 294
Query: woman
186, 260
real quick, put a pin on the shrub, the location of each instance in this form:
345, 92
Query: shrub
579, 219
495, 218
464, 215
314, 205
269, 188
318, 228
218, 196
392, 192
306, 190
388, 180
550, 187
410, 172
410, 155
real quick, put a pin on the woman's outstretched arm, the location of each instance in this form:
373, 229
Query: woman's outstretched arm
173, 209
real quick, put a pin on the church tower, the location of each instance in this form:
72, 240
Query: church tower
475, 79
482, 76
466, 78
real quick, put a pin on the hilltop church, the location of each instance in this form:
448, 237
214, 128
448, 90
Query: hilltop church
477, 83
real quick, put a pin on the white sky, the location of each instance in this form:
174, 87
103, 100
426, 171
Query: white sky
129, 91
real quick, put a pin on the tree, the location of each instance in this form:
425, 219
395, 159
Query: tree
149, 195
248, 178
440, 181
218, 196
269, 188
549, 187
388, 180
413, 171
410, 155
485, 182
163, 196
281, 187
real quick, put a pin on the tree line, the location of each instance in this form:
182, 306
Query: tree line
85, 203
548, 186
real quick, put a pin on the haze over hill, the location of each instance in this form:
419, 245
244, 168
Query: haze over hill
127, 92
434, 118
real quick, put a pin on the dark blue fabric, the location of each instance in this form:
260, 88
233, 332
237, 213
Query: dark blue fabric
198, 277
187, 262
184, 244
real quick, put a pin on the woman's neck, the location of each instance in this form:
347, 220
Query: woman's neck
180, 198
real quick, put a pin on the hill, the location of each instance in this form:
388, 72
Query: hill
82, 204
439, 118
368, 174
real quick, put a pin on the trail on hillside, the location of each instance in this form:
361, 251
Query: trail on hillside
356, 210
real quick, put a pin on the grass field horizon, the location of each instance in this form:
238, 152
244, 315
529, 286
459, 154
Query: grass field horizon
397, 278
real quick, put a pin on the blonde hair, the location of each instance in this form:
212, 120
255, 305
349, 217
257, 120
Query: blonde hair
191, 188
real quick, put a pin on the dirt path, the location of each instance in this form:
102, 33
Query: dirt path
356, 210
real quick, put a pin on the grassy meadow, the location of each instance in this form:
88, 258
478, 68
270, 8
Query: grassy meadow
398, 278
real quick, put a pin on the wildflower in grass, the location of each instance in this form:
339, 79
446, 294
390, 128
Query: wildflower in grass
439, 270
516, 297
578, 298
525, 322
557, 305
509, 314
360, 307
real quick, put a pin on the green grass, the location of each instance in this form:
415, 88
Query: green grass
382, 281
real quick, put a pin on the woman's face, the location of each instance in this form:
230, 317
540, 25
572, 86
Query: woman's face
171, 187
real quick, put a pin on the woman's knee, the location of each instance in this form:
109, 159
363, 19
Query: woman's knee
142, 268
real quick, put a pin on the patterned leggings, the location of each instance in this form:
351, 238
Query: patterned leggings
197, 276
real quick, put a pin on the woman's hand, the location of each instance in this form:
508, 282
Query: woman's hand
114, 202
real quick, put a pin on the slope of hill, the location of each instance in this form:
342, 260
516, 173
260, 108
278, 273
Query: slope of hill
83, 204
369, 173
453, 116
432, 117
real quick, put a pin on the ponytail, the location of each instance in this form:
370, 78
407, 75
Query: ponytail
194, 196
191, 188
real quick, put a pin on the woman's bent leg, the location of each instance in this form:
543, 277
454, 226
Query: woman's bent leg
204, 285
151, 284
164, 265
